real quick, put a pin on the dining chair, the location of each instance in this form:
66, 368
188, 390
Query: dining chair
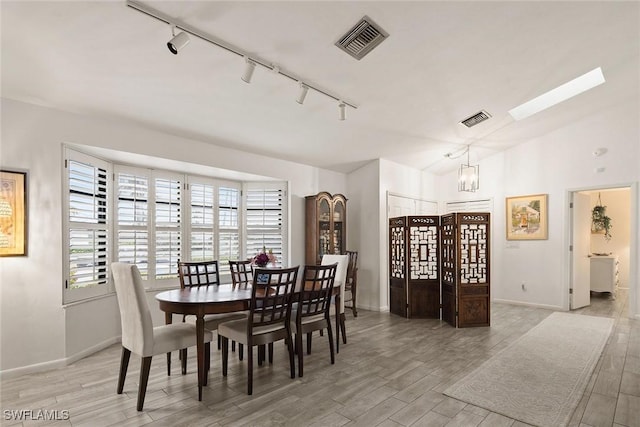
269, 317
311, 312
138, 333
351, 283
338, 307
241, 276
204, 273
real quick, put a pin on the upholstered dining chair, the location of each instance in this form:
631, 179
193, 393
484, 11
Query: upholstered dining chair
268, 320
351, 284
338, 309
138, 333
311, 311
241, 276
204, 273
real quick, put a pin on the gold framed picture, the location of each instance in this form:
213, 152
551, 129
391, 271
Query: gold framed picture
527, 217
13, 213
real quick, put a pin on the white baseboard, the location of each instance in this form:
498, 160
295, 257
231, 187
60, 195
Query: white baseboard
56, 364
529, 304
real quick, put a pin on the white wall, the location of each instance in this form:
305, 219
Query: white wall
363, 212
35, 328
553, 164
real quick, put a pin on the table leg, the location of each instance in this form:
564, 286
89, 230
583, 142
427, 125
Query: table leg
200, 349
168, 318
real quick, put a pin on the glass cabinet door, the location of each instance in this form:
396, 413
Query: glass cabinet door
338, 227
324, 227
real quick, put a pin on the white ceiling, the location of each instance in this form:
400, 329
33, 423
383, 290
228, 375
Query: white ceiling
442, 62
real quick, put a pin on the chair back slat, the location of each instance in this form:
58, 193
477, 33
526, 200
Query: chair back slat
352, 267
271, 295
203, 273
315, 294
240, 273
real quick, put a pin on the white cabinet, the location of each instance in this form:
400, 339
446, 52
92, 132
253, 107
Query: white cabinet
604, 273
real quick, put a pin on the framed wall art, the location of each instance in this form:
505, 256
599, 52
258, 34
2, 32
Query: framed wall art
13, 213
527, 217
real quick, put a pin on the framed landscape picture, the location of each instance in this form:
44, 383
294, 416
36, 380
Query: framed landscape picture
13, 213
527, 217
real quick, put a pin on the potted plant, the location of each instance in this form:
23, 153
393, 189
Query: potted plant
600, 222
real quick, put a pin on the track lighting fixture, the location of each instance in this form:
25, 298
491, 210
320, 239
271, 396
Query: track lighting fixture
248, 70
302, 94
182, 39
178, 41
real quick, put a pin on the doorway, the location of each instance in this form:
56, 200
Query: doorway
601, 270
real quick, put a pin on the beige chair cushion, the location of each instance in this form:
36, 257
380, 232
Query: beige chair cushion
138, 334
341, 272
211, 321
236, 330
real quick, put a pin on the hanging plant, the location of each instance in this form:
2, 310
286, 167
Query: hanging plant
600, 222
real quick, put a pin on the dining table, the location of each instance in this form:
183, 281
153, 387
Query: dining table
202, 300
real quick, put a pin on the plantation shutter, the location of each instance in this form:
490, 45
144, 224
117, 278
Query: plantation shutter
265, 220
86, 234
132, 219
168, 196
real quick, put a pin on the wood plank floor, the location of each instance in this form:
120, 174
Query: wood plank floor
391, 373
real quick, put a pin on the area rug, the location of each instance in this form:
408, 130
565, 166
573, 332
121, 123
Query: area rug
540, 378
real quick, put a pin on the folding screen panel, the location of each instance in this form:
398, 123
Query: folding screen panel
440, 263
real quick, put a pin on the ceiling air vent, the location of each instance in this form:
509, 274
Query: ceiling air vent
362, 38
475, 119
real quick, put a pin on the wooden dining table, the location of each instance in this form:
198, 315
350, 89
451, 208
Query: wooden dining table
200, 301
203, 300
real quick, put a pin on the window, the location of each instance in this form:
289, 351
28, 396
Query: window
158, 218
265, 219
214, 221
168, 198
132, 218
86, 228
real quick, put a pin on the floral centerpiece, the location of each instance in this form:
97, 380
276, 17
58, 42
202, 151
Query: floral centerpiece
264, 257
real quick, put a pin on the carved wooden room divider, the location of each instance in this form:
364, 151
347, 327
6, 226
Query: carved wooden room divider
441, 263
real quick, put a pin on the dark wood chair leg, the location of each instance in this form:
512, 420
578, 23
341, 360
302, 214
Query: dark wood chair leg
250, 369
240, 351
261, 352
271, 353
337, 330
183, 361
292, 365
354, 288
233, 346
207, 361
299, 351
124, 364
309, 342
343, 327
219, 341
169, 364
144, 379
330, 334
225, 355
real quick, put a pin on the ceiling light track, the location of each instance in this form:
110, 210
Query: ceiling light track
175, 24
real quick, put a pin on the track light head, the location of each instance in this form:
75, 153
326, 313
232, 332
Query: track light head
342, 107
248, 70
302, 94
178, 41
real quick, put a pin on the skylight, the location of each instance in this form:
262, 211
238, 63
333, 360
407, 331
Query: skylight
563, 92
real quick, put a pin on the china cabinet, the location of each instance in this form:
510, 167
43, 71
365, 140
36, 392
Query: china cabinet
326, 226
